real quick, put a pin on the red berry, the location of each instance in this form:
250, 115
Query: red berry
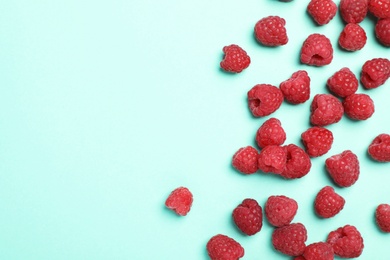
346, 241
382, 217
271, 31
322, 11
343, 83
270, 133
359, 106
325, 109
317, 141
296, 89
264, 99
379, 8
248, 217
353, 37
235, 59
382, 31
180, 201
343, 168
272, 158
353, 11
290, 239
319, 251
245, 160
316, 50
280, 210
298, 162
299, 258
379, 149
328, 203
375, 72
222, 247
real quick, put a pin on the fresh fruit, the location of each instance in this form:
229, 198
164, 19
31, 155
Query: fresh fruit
343, 168
296, 89
317, 141
235, 59
222, 247
245, 160
382, 217
343, 83
270, 132
280, 210
319, 251
180, 201
290, 239
352, 37
379, 149
248, 217
346, 241
272, 159
382, 31
322, 11
353, 11
359, 106
325, 109
328, 203
316, 50
271, 31
379, 8
264, 99
375, 72
298, 162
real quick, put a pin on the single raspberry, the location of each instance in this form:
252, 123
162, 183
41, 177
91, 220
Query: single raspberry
298, 162
272, 158
222, 247
245, 160
248, 217
343, 83
296, 89
359, 106
235, 59
270, 132
379, 8
316, 50
319, 251
352, 37
180, 201
325, 109
328, 203
290, 239
375, 72
317, 141
353, 11
280, 210
346, 241
264, 99
382, 31
271, 31
382, 217
343, 168
379, 149
322, 11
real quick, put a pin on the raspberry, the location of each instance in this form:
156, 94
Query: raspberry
296, 89
298, 162
319, 251
343, 168
379, 8
317, 141
382, 217
280, 210
316, 50
382, 31
328, 203
299, 258
264, 99
352, 37
322, 11
359, 106
270, 133
245, 160
235, 59
180, 201
222, 247
375, 72
346, 241
325, 109
353, 11
290, 239
248, 217
343, 83
271, 31
379, 149
272, 158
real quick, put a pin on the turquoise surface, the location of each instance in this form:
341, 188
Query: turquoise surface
107, 106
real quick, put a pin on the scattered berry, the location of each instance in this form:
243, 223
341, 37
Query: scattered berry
359, 106
379, 8
352, 37
328, 203
322, 11
353, 11
316, 50
382, 31
280, 210
270, 133
290, 239
343, 83
180, 201
382, 217
298, 162
317, 141
248, 217
272, 158
318, 251
245, 160
296, 89
375, 72
325, 109
222, 247
346, 241
379, 148
271, 31
235, 59
264, 99
343, 168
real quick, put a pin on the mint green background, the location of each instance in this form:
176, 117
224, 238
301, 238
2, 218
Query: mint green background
107, 106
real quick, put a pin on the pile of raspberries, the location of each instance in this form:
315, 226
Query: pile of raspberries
289, 161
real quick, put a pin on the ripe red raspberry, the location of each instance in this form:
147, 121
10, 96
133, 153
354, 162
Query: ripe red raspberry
298, 162
382, 31
317, 141
296, 89
271, 31
322, 11
379, 149
325, 109
222, 247
352, 37
375, 72
270, 132
328, 203
346, 241
316, 50
245, 160
272, 158
235, 59
359, 106
180, 201
353, 11
379, 8
280, 210
264, 99
318, 251
290, 239
343, 168
248, 217
382, 217
343, 83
